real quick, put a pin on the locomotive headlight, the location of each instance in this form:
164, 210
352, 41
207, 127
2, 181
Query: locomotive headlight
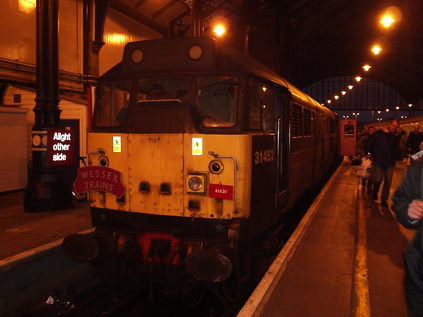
196, 183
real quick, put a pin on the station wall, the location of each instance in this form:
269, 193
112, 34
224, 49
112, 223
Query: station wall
70, 110
13, 161
18, 44
18, 33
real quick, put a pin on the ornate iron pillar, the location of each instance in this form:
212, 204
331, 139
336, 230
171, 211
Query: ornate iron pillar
47, 188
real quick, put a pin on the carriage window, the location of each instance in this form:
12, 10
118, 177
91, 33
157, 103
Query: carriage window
262, 107
217, 99
156, 89
296, 121
307, 122
112, 100
302, 121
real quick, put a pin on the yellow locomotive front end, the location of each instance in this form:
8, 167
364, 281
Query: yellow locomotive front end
180, 175
186, 175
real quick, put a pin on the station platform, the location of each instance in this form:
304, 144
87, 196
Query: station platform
344, 259
26, 233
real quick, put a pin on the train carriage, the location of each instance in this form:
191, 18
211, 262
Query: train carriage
212, 148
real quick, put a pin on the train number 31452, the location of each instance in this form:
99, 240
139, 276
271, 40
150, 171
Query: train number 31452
265, 156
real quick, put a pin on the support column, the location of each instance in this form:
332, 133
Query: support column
196, 14
49, 188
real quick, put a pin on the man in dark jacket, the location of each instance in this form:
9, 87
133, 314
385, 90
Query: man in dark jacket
383, 149
408, 207
414, 139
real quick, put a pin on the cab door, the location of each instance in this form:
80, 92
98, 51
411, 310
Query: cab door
282, 152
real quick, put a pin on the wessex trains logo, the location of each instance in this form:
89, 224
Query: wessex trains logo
98, 178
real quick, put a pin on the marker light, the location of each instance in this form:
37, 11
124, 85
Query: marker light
343, 92
336, 97
358, 78
137, 56
195, 52
350, 87
215, 167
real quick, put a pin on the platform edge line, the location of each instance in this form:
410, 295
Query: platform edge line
26, 256
361, 280
255, 304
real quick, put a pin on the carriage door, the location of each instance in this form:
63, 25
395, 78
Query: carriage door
282, 134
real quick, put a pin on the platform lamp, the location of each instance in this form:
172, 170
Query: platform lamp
46, 189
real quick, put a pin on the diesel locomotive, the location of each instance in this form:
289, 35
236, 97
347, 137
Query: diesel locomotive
208, 149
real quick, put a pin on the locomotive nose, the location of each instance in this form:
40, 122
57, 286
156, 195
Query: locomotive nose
209, 266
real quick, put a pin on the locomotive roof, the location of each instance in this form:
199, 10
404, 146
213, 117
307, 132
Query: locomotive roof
173, 56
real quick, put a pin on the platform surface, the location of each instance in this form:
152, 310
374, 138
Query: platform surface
345, 258
21, 232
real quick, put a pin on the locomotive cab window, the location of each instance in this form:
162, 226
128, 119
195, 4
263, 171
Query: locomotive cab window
112, 100
217, 98
159, 89
262, 107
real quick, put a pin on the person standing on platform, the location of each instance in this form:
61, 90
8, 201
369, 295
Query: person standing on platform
402, 145
361, 141
408, 207
414, 139
369, 179
383, 149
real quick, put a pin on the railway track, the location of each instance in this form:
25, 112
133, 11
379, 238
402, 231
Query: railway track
118, 288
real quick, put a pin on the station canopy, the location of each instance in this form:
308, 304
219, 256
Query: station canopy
312, 40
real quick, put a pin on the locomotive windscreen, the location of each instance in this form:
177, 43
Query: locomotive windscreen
113, 98
217, 98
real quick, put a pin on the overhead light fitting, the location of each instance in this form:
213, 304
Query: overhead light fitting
366, 67
376, 49
219, 30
